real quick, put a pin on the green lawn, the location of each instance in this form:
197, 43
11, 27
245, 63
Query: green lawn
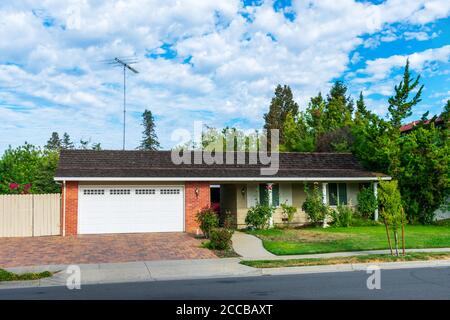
10, 276
319, 240
373, 258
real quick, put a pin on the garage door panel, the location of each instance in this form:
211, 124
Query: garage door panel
131, 209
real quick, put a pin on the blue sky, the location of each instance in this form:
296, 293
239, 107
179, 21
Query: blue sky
211, 61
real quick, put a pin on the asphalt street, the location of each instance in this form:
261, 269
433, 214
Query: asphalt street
419, 283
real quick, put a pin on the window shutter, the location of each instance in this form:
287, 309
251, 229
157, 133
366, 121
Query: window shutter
252, 195
342, 193
332, 194
263, 194
286, 193
275, 195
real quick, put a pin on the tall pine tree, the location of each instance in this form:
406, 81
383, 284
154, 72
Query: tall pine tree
282, 104
66, 143
339, 107
54, 143
149, 137
399, 104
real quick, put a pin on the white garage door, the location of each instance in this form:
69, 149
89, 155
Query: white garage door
130, 209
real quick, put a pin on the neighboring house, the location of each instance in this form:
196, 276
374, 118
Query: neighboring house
144, 191
438, 122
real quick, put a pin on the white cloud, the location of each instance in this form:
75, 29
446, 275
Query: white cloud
53, 77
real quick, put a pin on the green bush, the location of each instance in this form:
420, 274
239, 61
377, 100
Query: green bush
313, 206
258, 216
367, 203
342, 216
220, 238
288, 211
207, 219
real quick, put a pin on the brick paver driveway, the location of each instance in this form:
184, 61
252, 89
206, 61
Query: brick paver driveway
100, 249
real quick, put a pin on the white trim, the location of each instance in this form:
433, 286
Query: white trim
234, 179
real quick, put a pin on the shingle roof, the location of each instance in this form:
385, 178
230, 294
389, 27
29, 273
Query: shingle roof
158, 164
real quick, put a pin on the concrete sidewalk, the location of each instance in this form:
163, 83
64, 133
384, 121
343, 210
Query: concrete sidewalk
136, 271
188, 269
251, 248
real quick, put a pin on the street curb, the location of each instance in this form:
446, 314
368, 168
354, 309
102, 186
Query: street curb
57, 279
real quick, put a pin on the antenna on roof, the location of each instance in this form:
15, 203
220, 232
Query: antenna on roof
124, 62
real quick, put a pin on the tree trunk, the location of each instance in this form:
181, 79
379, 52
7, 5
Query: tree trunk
403, 232
403, 238
388, 236
396, 242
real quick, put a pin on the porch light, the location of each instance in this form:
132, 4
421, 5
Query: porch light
197, 191
243, 191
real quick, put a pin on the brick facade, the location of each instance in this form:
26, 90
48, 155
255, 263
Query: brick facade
194, 203
71, 215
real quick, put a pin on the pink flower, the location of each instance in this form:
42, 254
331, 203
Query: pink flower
13, 186
26, 187
269, 187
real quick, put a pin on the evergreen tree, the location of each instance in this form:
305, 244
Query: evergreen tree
314, 115
54, 143
149, 137
361, 109
400, 105
339, 107
296, 135
66, 142
282, 104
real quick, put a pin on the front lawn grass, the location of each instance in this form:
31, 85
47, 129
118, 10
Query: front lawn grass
371, 258
10, 276
320, 240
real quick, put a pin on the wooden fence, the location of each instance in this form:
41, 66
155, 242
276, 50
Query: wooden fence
29, 215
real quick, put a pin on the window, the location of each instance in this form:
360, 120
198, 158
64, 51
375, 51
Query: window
119, 191
170, 191
337, 193
264, 194
93, 191
145, 191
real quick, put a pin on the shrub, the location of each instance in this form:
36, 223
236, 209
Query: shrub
227, 220
207, 219
220, 238
342, 216
313, 206
258, 216
367, 203
288, 211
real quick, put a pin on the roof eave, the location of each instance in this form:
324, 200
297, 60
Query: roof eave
228, 179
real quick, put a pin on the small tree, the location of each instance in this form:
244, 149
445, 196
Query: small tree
313, 206
367, 203
391, 209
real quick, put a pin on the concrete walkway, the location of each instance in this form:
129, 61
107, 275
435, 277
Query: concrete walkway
251, 248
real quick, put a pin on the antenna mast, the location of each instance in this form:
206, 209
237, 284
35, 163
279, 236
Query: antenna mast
125, 64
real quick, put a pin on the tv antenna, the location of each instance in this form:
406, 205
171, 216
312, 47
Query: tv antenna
125, 63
